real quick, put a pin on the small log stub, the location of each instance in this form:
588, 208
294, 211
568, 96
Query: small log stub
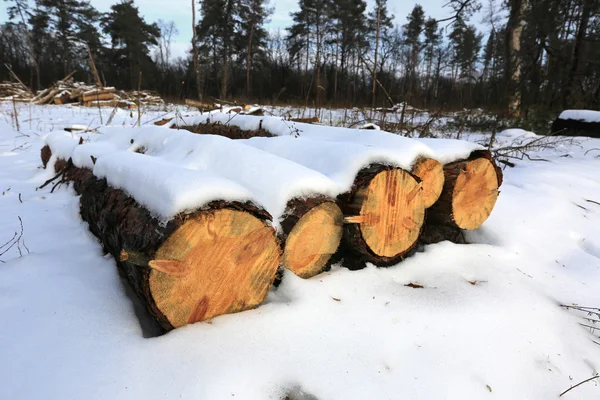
431, 173
312, 232
385, 212
46, 153
470, 192
218, 260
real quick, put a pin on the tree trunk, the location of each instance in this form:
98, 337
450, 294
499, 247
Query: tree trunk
432, 178
514, 29
218, 260
469, 194
384, 215
374, 89
312, 230
577, 52
249, 57
195, 51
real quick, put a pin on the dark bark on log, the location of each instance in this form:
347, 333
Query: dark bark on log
228, 131
46, 153
433, 233
120, 223
572, 127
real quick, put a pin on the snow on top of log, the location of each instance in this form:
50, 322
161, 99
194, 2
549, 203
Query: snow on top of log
340, 161
273, 181
581, 115
402, 150
163, 188
61, 144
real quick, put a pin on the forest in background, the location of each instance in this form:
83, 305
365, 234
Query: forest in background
537, 57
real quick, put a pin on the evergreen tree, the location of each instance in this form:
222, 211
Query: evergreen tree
130, 37
251, 35
73, 23
432, 41
413, 30
379, 25
216, 32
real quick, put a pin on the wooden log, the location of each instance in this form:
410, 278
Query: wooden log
48, 97
163, 121
469, 194
311, 120
229, 131
99, 90
200, 105
431, 173
98, 96
312, 230
45, 93
573, 127
218, 260
384, 215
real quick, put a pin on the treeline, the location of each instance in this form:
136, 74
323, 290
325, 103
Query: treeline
540, 56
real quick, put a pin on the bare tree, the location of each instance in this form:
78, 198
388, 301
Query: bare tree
195, 51
514, 29
168, 30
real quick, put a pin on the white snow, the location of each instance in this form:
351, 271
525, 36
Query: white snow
444, 151
268, 180
163, 188
581, 115
321, 161
69, 331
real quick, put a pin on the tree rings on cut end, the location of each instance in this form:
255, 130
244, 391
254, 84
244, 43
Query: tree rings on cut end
313, 240
475, 193
392, 213
224, 261
431, 173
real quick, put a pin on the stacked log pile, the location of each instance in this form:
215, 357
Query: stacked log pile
68, 91
305, 204
14, 91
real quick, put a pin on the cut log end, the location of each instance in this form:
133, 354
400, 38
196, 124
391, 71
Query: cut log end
431, 173
475, 193
313, 240
393, 213
218, 262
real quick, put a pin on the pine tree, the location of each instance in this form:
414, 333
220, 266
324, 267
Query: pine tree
73, 23
308, 30
431, 43
413, 30
216, 31
379, 25
131, 37
251, 35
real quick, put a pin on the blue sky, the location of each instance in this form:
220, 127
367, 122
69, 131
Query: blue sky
179, 11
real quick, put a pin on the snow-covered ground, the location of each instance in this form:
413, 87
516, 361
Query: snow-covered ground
486, 324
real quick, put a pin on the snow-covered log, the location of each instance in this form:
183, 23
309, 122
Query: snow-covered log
381, 200
189, 242
577, 123
301, 200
